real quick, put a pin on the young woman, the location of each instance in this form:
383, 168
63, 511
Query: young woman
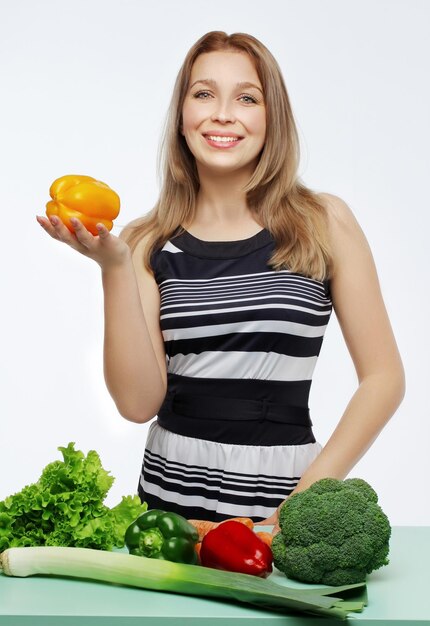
216, 302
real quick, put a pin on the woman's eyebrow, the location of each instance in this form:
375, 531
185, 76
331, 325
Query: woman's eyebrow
211, 81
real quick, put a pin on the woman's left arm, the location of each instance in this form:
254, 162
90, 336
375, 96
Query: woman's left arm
366, 328
362, 316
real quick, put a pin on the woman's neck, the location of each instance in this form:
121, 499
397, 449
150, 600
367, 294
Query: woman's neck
221, 202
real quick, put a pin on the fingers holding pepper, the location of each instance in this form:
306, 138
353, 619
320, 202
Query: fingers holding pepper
55, 227
85, 237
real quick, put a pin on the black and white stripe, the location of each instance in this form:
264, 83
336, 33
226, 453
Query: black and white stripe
246, 324
229, 321
229, 487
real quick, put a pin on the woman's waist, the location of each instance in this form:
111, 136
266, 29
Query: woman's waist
280, 392
242, 411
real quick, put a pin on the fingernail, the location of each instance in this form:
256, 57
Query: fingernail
74, 221
53, 220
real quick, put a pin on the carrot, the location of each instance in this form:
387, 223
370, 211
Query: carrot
197, 548
244, 520
266, 537
204, 526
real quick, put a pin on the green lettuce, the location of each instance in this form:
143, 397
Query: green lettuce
65, 507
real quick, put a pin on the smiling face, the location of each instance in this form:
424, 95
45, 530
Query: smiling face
224, 123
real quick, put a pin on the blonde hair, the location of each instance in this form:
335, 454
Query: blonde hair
275, 195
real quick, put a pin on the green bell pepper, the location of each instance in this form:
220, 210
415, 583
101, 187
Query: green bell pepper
162, 535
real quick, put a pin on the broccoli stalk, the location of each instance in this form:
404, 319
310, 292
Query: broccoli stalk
333, 533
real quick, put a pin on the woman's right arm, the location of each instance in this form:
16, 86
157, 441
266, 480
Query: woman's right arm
134, 358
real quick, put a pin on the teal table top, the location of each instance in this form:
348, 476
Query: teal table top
399, 594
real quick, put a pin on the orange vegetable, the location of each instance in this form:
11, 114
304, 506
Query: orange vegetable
243, 520
204, 526
266, 537
197, 548
85, 198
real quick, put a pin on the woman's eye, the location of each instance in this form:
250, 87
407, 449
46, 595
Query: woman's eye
206, 93
250, 97
201, 93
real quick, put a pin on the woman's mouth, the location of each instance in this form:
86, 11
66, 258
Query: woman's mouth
222, 142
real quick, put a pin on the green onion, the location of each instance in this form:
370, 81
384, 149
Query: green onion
158, 575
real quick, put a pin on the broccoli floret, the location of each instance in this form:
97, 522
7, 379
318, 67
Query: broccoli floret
332, 533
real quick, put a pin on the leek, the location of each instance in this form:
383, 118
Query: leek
158, 575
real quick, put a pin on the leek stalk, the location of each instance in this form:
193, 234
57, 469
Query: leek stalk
159, 575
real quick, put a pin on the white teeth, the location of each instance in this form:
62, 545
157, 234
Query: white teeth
222, 139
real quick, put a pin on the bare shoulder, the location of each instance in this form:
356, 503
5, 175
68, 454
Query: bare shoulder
128, 228
340, 214
140, 247
356, 293
346, 234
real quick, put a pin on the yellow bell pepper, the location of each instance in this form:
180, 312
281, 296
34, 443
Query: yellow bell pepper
85, 198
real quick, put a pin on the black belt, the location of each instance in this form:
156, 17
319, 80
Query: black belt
244, 412
238, 409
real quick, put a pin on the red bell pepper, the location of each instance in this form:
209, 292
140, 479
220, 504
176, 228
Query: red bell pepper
234, 547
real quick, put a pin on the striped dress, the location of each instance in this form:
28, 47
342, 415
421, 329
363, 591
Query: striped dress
234, 434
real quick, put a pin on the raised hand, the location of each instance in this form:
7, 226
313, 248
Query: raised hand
104, 248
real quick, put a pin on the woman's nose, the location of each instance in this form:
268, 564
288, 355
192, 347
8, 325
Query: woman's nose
223, 112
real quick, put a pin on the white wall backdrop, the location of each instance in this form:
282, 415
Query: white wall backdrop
85, 85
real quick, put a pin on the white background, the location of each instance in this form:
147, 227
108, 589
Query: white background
85, 87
